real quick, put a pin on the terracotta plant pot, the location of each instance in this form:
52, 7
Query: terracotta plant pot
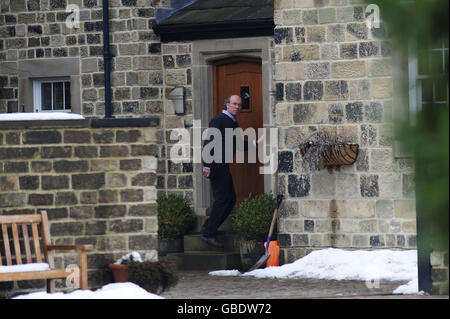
120, 272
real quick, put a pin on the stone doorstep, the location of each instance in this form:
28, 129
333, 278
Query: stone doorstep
193, 243
205, 260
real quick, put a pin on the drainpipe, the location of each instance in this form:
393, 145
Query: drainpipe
106, 59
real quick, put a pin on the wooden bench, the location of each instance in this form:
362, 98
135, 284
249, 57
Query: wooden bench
38, 242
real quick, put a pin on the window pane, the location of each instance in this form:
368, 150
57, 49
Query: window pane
441, 86
427, 90
58, 96
436, 62
423, 63
46, 96
67, 92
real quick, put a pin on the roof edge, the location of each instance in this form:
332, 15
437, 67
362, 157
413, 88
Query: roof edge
215, 30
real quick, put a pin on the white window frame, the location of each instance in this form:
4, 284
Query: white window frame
37, 101
415, 82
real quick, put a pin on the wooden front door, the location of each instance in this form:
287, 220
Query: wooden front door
242, 76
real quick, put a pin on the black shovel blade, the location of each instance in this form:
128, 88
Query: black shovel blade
261, 261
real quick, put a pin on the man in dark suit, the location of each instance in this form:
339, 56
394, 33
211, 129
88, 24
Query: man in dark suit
218, 171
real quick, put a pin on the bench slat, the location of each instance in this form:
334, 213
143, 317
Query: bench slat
6, 244
17, 251
37, 248
26, 240
14, 219
30, 275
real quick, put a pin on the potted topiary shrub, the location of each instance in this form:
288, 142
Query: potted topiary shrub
252, 222
175, 219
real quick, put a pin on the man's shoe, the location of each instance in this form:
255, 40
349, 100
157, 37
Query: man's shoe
212, 241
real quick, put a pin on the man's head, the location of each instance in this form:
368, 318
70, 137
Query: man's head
233, 104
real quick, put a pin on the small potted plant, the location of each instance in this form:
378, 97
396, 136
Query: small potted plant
175, 219
152, 275
252, 222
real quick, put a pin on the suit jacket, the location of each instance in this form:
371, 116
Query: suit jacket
222, 122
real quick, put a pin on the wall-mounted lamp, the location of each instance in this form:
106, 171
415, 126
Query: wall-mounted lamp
177, 97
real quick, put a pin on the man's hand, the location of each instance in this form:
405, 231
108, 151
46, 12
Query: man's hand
206, 172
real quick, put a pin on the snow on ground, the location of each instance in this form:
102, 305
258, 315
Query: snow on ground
42, 116
339, 264
123, 290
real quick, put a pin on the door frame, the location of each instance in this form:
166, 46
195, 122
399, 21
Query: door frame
204, 53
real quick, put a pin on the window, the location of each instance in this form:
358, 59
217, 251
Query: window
428, 79
52, 95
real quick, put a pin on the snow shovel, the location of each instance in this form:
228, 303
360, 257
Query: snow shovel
262, 261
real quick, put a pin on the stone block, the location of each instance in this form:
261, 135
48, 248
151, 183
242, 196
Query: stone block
299, 186
26, 182
336, 90
42, 137
12, 199
357, 31
143, 242
318, 70
131, 195
66, 198
359, 89
380, 67
110, 211
323, 185
114, 151
368, 135
66, 229
88, 181
361, 208
314, 208
315, 34
369, 186
55, 182
126, 226
405, 209
65, 166
17, 152
147, 63
313, 91
384, 208
301, 52
329, 51
293, 92
368, 49
348, 69
144, 179
381, 88
347, 186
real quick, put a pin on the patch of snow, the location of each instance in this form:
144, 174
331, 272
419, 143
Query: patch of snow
134, 256
411, 287
41, 116
339, 264
123, 290
25, 267
233, 272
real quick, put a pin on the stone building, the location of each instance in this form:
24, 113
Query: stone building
307, 66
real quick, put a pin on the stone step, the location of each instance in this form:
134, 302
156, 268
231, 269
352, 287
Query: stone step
193, 242
205, 260
226, 226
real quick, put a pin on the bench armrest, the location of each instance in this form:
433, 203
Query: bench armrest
70, 247
82, 260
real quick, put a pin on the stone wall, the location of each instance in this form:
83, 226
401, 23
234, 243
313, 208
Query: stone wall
439, 272
334, 74
98, 185
144, 71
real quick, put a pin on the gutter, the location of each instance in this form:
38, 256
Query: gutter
106, 58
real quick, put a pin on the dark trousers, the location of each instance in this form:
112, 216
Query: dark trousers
224, 199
